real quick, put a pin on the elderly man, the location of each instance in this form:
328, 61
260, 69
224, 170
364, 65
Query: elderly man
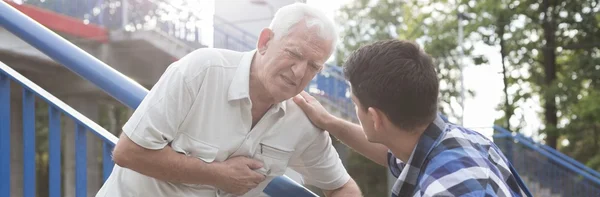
222, 123
395, 89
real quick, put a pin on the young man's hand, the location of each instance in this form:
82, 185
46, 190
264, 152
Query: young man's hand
317, 114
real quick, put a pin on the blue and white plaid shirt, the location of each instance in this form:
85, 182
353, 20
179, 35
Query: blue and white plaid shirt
453, 161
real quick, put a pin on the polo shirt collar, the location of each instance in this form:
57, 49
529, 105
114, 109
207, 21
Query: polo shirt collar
240, 84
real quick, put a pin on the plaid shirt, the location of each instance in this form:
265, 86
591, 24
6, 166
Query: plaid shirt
453, 161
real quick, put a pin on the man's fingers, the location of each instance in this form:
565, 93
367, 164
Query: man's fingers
307, 96
299, 100
257, 178
251, 185
304, 99
253, 164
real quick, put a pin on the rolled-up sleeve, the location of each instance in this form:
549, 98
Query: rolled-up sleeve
320, 165
156, 120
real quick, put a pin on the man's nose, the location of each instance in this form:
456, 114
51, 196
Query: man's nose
299, 69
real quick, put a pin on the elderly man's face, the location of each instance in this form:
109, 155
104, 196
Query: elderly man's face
291, 62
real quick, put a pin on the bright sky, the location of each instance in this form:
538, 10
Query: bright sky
485, 81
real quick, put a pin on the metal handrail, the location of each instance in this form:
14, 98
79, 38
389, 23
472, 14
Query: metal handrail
59, 104
576, 164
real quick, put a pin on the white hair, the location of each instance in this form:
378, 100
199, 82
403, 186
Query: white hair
290, 15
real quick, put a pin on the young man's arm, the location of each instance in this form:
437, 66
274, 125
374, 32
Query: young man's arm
349, 133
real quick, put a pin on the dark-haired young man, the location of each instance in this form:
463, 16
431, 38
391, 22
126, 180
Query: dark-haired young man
395, 89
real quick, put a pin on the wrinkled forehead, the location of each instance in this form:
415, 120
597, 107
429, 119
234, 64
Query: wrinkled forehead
317, 51
312, 34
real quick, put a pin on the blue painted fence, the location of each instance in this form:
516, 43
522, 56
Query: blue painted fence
56, 109
546, 167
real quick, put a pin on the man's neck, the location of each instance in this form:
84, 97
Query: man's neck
402, 143
259, 95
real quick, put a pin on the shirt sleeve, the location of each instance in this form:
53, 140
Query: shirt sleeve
456, 175
156, 120
320, 165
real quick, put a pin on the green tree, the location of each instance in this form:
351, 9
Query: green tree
552, 50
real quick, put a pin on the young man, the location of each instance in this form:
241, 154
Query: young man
395, 89
222, 123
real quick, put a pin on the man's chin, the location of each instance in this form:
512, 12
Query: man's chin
284, 95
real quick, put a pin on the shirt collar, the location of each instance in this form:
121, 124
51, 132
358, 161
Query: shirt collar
240, 84
407, 181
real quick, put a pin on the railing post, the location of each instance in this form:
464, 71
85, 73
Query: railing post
107, 163
54, 166
80, 160
4, 135
28, 143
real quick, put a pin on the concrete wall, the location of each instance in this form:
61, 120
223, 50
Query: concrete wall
249, 16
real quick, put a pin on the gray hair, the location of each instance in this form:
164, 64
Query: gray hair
290, 15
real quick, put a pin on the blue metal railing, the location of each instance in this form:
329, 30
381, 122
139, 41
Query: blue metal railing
114, 83
546, 166
228, 36
552, 151
56, 108
547, 170
179, 21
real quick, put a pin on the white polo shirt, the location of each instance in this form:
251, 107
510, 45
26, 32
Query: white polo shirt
202, 107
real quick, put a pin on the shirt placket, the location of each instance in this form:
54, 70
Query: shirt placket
253, 136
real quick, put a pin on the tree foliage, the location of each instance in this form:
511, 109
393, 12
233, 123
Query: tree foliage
551, 50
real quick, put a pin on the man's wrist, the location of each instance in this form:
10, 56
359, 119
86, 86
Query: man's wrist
331, 123
214, 174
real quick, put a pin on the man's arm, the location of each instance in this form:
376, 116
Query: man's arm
167, 165
153, 163
349, 133
349, 189
144, 148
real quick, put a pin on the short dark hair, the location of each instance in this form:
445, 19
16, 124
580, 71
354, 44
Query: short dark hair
396, 77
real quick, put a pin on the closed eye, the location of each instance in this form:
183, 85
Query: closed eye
294, 54
315, 66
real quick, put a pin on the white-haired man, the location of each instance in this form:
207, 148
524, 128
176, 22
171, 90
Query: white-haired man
222, 123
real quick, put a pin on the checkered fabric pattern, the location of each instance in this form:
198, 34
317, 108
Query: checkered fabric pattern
453, 161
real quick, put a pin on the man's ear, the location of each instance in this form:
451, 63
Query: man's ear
266, 35
377, 116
